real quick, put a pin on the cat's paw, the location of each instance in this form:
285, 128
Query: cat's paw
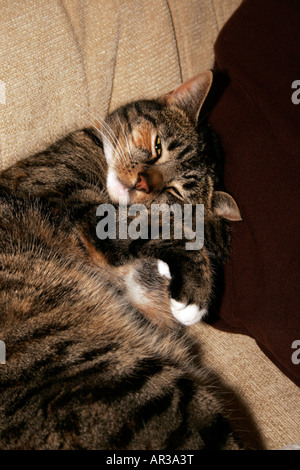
187, 314
163, 269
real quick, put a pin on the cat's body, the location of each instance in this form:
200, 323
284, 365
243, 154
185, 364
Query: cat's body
95, 356
87, 367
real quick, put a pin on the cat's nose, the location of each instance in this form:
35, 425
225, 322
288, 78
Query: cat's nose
142, 183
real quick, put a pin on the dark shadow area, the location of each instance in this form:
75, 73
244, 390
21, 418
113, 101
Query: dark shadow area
236, 410
240, 416
219, 85
216, 300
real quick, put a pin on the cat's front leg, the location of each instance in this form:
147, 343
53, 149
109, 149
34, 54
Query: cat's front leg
190, 282
189, 288
191, 277
191, 285
148, 284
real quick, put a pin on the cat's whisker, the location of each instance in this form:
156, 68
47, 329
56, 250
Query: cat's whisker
114, 141
106, 127
111, 133
102, 123
117, 154
129, 152
118, 148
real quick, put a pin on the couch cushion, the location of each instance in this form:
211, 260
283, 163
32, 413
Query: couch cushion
259, 126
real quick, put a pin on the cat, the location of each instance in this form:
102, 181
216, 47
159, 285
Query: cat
73, 173
98, 354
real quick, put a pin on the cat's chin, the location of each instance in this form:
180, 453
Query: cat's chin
116, 189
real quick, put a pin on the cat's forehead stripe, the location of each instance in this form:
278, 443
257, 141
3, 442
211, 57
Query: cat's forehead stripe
125, 118
141, 137
185, 151
174, 144
147, 110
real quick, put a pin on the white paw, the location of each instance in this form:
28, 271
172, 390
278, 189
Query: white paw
163, 269
187, 314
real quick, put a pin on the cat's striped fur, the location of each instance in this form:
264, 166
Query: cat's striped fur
95, 357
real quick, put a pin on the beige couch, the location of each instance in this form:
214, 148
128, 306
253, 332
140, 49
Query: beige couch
63, 58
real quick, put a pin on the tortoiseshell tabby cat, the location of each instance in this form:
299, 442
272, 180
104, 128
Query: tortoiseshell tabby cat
97, 354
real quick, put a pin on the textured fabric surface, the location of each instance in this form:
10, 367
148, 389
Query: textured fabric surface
60, 58
259, 127
43, 75
264, 403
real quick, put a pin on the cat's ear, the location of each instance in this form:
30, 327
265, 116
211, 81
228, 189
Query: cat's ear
225, 206
190, 96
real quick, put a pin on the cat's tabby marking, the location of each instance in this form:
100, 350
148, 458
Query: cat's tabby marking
95, 357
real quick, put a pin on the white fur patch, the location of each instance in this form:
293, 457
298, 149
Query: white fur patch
108, 151
115, 188
163, 269
187, 314
136, 292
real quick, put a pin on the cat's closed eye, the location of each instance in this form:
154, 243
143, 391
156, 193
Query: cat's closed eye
176, 191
